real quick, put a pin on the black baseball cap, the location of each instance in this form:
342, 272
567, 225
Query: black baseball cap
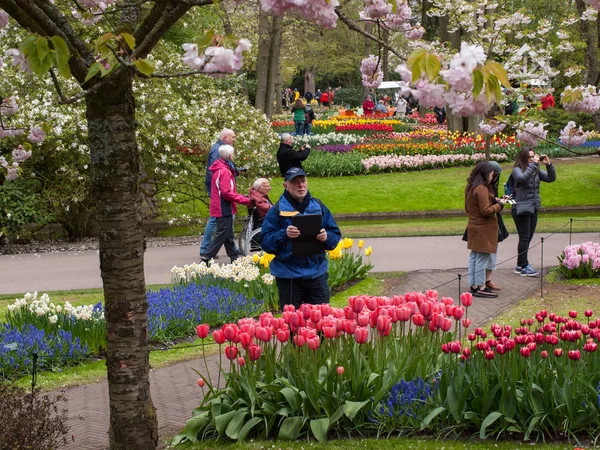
293, 173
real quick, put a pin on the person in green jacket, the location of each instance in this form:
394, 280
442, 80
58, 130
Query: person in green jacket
299, 112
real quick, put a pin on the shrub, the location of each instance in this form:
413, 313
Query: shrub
31, 421
352, 95
558, 118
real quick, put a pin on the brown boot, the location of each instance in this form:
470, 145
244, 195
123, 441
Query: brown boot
493, 286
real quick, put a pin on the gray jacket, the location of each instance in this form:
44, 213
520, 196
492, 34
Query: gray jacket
527, 184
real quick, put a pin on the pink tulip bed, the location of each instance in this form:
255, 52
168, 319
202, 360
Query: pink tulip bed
580, 261
400, 365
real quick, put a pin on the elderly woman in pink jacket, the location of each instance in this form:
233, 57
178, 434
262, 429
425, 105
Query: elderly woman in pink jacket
223, 200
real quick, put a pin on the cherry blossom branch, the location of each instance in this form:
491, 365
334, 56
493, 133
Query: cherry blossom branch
350, 24
62, 100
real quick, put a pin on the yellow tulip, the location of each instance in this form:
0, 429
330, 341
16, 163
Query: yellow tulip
361, 243
368, 251
255, 258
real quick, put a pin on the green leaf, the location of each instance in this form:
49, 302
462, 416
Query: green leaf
531, 426
415, 56
235, 426
129, 39
27, 43
336, 415
292, 397
194, 425
61, 55
432, 66
223, 420
94, 70
477, 82
290, 428
144, 66
319, 428
247, 427
100, 44
205, 40
42, 47
352, 408
490, 419
497, 69
178, 439
432, 415
452, 403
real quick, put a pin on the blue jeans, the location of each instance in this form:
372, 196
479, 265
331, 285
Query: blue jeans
299, 128
307, 128
209, 231
478, 263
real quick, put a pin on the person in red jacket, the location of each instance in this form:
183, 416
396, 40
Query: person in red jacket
325, 99
223, 199
259, 192
368, 106
548, 101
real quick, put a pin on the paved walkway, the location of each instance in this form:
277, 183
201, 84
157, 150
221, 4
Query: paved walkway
431, 262
79, 270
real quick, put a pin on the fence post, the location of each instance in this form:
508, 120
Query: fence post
34, 371
542, 273
570, 230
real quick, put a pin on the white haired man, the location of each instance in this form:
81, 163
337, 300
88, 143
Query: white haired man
287, 157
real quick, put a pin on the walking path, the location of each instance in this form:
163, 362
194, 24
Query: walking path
431, 262
80, 270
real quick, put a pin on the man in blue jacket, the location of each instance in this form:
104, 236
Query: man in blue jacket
300, 278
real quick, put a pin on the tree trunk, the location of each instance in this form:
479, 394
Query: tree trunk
115, 176
385, 56
278, 88
590, 32
274, 58
454, 122
309, 81
474, 122
262, 62
367, 52
424, 16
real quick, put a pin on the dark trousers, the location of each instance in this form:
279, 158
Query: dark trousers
298, 291
525, 227
223, 236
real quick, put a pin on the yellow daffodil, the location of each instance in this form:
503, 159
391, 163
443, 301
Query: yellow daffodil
255, 258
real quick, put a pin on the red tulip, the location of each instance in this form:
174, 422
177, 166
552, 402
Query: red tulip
254, 352
466, 298
313, 343
202, 330
340, 370
418, 320
454, 346
283, 335
574, 355
525, 352
489, 354
289, 308
241, 361
299, 340
245, 339
357, 304
573, 314
384, 325
201, 382
316, 315
466, 322
218, 336
329, 331
458, 313
558, 352
231, 352
478, 331
588, 313
349, 326
229, 331
372, 303
544, 354
361, 334
445, 348
500, 349
264, 334
590, 346
466, 352
447, 325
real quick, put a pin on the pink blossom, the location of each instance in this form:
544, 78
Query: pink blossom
12, 173
491, 128
415, 33
531, 133
588, 103
376, 9
372, 76
320, 11
36, 135
19, 154
464, 104
593, 3
404, 73
9, 106
3, 19
429, 94
19, 60
573, 137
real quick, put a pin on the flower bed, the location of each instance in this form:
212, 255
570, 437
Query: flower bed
364, 128
394, 365
328, 139
580, 261
418, 162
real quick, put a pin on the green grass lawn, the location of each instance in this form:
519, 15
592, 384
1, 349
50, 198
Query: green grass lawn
577, 184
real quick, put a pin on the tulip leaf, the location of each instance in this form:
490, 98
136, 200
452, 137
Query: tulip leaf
247, 427
351, 409
236, 424
490, 419
319, 427
223, 420
290, 428
508, 405
193, 426
292, 397
452, 403
531, 426
336, 415
432, 415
